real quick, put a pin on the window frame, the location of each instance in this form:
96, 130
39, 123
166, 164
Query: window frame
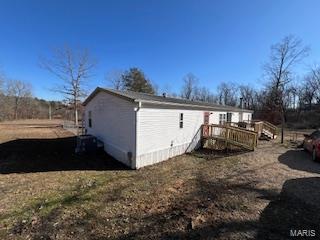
181, 120
222, 118
229, 114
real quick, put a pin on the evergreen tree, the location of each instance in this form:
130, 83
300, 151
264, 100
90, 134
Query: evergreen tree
135, 80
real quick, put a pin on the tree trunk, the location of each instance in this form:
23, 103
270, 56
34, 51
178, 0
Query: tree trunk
16, 109
282, 124
282, 130
49, 110
75, 115
310, 104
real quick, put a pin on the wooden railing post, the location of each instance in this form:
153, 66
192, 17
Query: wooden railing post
227, 137
202, 135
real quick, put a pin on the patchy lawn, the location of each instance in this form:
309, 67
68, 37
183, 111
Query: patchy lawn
48, 192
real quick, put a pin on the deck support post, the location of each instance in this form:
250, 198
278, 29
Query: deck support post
227, 138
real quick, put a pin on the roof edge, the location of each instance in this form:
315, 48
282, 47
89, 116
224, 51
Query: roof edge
100, 89
130, 99
212, 108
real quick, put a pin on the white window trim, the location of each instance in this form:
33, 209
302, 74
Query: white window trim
222, 118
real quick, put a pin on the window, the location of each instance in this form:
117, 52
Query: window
229, 117
90, 119
181, 120
222, 118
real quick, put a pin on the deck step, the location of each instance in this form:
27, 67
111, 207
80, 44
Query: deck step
267, 133
264, 137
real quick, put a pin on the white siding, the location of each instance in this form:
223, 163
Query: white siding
156, 136
113, 122
247, 116
235, 116
214, 117
159, 136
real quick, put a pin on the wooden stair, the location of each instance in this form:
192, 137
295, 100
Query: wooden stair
266, 135
238, 134
265, 130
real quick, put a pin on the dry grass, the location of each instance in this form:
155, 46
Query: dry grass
255, 195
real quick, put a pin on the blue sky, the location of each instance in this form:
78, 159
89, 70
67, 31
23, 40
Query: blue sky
215, 40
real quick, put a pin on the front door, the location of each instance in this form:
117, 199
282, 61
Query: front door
206, 118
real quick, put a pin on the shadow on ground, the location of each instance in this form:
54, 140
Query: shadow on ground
43, 155
297, 208
212, 154
201, 208
299, 160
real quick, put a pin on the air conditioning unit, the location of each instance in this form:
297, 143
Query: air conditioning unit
88, 144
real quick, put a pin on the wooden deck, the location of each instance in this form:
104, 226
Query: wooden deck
244, 135
230, 135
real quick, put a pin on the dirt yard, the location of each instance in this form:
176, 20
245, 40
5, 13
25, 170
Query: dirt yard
48, 192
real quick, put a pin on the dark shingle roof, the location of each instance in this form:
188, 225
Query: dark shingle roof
148, 98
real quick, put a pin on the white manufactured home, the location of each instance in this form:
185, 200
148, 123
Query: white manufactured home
140, 129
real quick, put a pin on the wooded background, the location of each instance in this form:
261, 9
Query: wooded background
285, 98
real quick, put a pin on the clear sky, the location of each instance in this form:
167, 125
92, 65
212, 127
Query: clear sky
215, 40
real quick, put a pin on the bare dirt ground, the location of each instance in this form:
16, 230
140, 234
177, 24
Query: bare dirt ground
48, 192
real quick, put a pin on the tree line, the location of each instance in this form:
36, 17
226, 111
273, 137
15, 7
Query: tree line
17, 102
282, 90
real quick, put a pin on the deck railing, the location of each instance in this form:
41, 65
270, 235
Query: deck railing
231, 135
242, 125
259, 126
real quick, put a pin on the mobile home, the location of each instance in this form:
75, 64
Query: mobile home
140, 129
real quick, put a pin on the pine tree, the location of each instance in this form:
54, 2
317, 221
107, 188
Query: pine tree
135, 80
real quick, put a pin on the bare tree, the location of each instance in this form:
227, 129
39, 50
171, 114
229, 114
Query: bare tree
2, 82
203, 94
19, 91
1, 85
115, 79
167, 91
290, 95
247, 94
190, 82
314, 82
284, 56
3, 100
307, 92
227, 94
74, 68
